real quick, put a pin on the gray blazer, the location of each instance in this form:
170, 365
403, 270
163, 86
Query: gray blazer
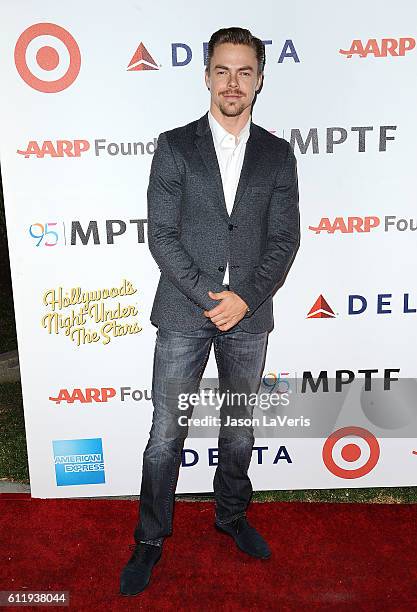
192, 237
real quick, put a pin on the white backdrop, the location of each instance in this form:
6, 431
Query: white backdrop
66, 163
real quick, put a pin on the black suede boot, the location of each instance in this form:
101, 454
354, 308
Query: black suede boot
137, 572
246, 537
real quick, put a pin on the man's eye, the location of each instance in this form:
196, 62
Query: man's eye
245, 73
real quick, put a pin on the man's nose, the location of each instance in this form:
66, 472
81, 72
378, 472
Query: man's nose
233, 81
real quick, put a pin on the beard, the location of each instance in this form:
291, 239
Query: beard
232, 109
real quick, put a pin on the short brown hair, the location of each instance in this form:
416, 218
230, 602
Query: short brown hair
237, 36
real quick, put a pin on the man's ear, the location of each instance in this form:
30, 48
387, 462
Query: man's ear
259, 83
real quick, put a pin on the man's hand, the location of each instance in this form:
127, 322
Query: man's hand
229, 312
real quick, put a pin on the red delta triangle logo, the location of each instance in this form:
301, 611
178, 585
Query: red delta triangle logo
320, 310
142, 60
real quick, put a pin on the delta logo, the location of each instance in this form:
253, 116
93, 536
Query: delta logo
321, 310
395, 47
385, 304
182, 55
142, 60
261, 455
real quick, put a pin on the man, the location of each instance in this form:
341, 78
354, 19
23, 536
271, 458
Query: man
223, 227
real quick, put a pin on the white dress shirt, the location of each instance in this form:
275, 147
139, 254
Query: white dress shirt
230, 152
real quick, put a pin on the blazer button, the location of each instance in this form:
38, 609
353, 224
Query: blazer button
230, 226
221, 268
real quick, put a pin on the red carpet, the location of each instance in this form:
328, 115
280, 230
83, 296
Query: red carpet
325, 556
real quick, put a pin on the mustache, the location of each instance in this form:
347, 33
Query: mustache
232, 93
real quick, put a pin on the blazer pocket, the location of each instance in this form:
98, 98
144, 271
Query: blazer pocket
261, 190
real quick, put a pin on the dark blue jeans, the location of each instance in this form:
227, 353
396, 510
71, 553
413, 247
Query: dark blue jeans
240, 358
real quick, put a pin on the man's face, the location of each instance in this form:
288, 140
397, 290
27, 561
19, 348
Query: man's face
233, 78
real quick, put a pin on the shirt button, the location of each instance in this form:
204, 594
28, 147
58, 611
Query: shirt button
230, 226
221, 268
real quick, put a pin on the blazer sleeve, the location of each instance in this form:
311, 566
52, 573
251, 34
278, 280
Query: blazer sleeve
164, 223
282, 239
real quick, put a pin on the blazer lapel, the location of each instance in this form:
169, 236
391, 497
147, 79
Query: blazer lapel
205, 145
250, 163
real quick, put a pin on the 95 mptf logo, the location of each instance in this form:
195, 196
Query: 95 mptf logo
78, 462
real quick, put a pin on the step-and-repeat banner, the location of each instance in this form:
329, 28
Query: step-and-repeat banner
86, 90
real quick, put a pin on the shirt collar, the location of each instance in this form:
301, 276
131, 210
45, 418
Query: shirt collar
219, 133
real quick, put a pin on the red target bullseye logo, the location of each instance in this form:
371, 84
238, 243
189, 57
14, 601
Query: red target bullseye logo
47, 58
351, 452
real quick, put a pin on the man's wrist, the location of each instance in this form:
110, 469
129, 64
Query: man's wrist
248, 310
